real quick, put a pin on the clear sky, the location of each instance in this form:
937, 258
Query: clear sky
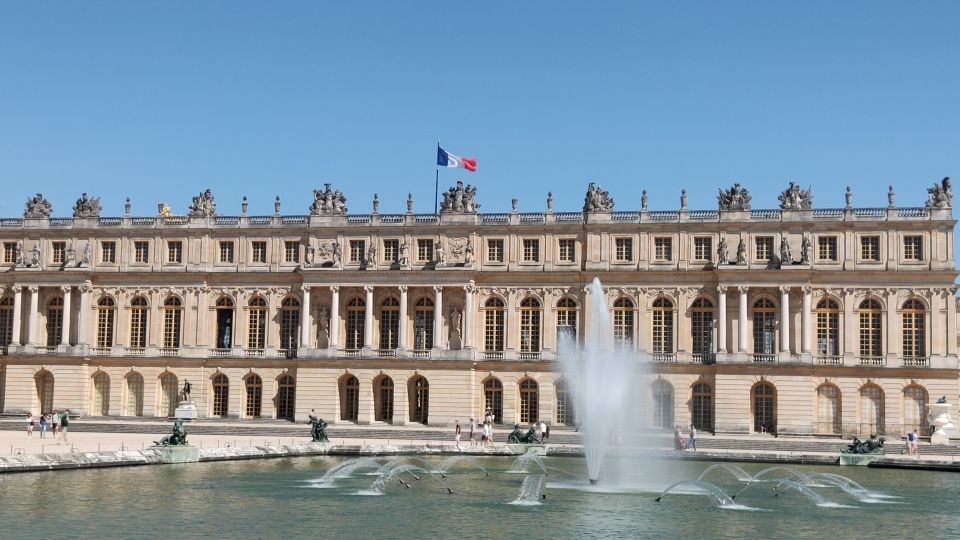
158, 100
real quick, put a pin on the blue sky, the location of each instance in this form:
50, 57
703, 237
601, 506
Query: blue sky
158, 100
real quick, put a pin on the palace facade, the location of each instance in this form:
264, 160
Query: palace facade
792, 319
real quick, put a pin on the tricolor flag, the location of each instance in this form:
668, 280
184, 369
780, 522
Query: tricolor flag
446, 159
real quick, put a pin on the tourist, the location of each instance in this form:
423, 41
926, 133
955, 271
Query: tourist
456, 435
29, 424
678, 441
692, 443
543, 430
54, 423
912, 442
472, 423
487, 434
43, 425
64, 422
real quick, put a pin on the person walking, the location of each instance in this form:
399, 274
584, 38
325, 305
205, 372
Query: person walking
30, 424
692, 443
456, 435
912, 442
55, 423
487, 434
543, 431
64, 422
43, 425
472, 424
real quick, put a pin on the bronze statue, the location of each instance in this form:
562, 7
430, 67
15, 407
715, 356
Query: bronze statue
518, 437
318, 429
186, 390
177, 438
873, 445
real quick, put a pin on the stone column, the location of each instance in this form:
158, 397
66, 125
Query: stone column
83, 323
438, 318
402, 336
722, 319
368, 318
742, 319
65, 331
334, 316
468, 317
805, 321
785, 319
33, 317
305, 318
17, 314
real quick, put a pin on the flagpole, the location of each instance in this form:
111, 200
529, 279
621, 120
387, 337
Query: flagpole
436, 191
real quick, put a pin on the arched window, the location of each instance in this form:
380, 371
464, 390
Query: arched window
914, 330
662, 326
419, 392
55, 322
915, 409
355, 324
871, 332
106, 315
764, 327
764, 400
257, 325
423, 324
530, 325
701, 326
493, 398
493, 325
253, 385
289, 324
529, 401
349, 398
101, 395
871, 409
389, 324
623, 323
828, 328
139, 313
286, 397
702, 406
172, 322
828, 409
168, 394
566, 322
134, 395
45, 386
383, 394
662, 404
224, 309
566, 413
6, 321
221, 395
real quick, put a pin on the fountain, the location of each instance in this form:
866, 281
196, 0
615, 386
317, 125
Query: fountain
523, 462
530, 490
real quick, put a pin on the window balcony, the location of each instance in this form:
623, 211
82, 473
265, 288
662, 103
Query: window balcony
253, 353
386, 353
663, 358
47, 350
492, 355
828, 360
220, 353
101, 351
350, 353
3, 350
170, 351
916, 361
704, 358
421, 353
136, 351
873, 361
529, 356
286, 353
765, 358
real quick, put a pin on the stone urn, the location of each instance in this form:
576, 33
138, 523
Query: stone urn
939, 418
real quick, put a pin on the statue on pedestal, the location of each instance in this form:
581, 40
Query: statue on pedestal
460, 200
873, 445
785, 256
597, 200
86, 207
742, 252
806, 247
203, 205
518, 437
737, 198
37, 208
185, 393
329, 202
318, 429
177, 438
940, 195
722, 251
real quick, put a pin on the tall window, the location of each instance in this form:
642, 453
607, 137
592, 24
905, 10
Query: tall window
530, 325
134, 395
566, 321
106, 314
138, 322
827, 248
871, 329
663, 249
871, 409
253, 385
493, 325
224, 309
419, 400
702, 406
221, 395
914, 328
291, 251
58, 252
384, 398
567, 250
764, 408
175, 252
391, 250
54, 322
493, 398
662, 404
764, 247
423, 324
108, 252
623, 323
45, 387
913, 248
172, 321
623, 249
495, 250
701, 326
565, 410
915, 408
169, 393
9, 252
828, 409
258, 252
141, 251
662, 326
358, 249
531, 250
828, 328
870, 248
764, 333
529, 401
6, 322
389, 324
355, 324
703, 248
286, 397
101, 394
289, 324
425, 249
226, 252
257, 326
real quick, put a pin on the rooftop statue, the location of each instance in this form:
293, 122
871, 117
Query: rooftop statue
203, 205
38, 208
329, 202
794, 198
460, 200
873, 445
86, 207
177, 438
940, 195
597, 200
736, 198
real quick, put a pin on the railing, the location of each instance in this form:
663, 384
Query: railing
143, 221
704, 215
870, 212
532, 217
101, 351
568, 217
828, 213
136, 351
253, 353
873, 361
828, 360
421, 353
293, 220
170, 351
529, 356
494, 218
3, 350
663, 215
109, 221
663, 358
260, 220
176, 220
625, 216
287, 353
492, 355
359, 218
220, 353
226, 220
913, 212
391, 218
11, 222
916, 361
765, 358
61, 221
764, 215
386, 353
704, 358
47, 350
426, 218
350, 353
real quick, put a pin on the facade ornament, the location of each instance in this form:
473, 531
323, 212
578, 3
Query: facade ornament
86, 207
70, 256
794, 198
683, 199
244, 206
940, 195
163, 209
785, 256
376, 203
35, 256
409, 203
203, 205
722, 251
460, 200
126, 207
890, 196
37, 208
722, 289
404, 257
513, 204
597, 200
848, 197
643, 200
276, 206
468, 256
331, 252
439, 256
742, 252
311, 256
737, 198
549, 201
328, 202
371, 257
806, 248
18, 255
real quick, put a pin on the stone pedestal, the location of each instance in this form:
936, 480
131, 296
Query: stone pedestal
186, 410
858, 459
178, 454
939, 418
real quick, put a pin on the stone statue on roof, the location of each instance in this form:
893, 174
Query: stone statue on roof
37, 208
597, 200
203, 205
329, 202
737, 198
460, 200
794, 198
940, 195
87, 207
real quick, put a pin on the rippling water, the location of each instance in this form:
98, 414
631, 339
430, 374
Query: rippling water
280, 498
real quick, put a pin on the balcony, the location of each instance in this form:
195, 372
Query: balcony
3, 350
386, 353
663, 358
220, 353
421, 353
350, 353
704, 358
492, 355
170, 351
873, 361
828, 360
51, 350
916, 361
253, 353
765, 358
286, 353
136, 351
530, 356
101, 351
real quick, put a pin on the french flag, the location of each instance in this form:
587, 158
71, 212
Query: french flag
446, 159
